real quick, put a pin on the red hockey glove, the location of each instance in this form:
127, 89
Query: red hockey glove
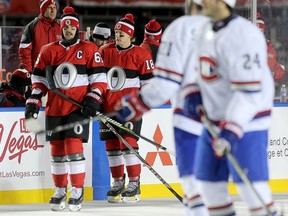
131, 107
229, 136
33, 105
92, 103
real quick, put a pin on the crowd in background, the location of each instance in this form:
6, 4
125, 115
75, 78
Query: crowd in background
273, 15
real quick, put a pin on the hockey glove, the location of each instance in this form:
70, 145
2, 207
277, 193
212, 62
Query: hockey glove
131, 107
33, 105
192, 101
229, 136
92, 103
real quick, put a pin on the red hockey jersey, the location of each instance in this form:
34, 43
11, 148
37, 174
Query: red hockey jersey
137, 64
274, 65
37, 33
85, 57
151, 45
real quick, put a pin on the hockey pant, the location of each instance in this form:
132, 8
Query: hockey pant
185, 145
213, 173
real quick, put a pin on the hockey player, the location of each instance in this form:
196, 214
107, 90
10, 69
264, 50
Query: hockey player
79, 67
101, 34
137, 65
237, 92
152, 36
173, 70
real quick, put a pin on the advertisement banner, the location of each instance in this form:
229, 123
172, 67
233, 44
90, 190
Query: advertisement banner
25, 157
157, 126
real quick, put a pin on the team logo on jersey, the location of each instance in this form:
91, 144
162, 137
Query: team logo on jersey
65, 75
208, 68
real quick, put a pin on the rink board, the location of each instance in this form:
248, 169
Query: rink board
25, 159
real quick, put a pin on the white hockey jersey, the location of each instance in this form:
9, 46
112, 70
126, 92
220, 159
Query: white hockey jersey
174, 68
235, 80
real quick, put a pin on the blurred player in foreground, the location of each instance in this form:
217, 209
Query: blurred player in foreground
173, 70
237, 92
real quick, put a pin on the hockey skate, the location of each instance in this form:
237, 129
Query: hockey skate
57, 201
132, 193
114, 194
76, 198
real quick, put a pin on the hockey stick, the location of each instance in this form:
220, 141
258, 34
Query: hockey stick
53, 88
142, 159
234, 163
114, 122
52, 85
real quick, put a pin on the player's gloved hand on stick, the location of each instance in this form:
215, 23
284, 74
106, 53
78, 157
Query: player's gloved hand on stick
33, 104
229, 136
92, 103
131, 107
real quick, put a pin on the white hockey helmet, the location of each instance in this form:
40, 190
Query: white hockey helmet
231, 3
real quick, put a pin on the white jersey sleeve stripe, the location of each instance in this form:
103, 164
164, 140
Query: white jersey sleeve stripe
246, 86
170, 75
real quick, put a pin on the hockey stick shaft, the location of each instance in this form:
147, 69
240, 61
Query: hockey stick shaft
235, 163
51, 83
121, 126
111, 128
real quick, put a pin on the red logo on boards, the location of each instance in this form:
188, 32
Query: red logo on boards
15, 146
164, 156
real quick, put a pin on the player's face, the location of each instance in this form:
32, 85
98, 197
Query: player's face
51, 12
69, 32
122, 39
